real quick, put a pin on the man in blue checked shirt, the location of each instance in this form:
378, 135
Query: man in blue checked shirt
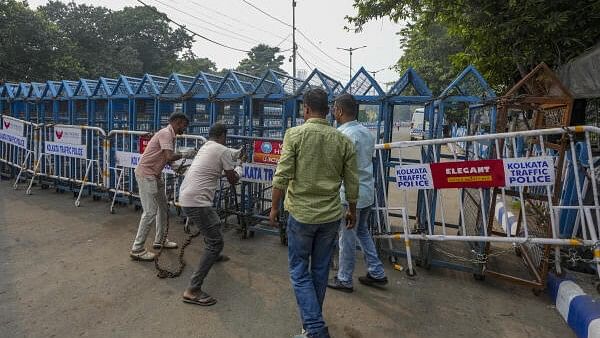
345, 112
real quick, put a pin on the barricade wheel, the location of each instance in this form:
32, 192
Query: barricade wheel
392, 259
112, 210
411, 272
77, 203
479, 277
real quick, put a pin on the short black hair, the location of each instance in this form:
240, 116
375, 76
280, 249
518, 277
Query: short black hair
316, 100
178, 116
217, 130
348, 104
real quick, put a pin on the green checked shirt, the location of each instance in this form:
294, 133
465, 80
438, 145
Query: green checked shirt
315, 159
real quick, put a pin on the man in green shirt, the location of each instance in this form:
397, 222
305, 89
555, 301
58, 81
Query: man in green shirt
315, 159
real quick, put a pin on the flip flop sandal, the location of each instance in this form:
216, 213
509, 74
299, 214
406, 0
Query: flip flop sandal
203, 300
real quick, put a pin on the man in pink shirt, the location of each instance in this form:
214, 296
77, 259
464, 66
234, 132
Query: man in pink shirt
148, 174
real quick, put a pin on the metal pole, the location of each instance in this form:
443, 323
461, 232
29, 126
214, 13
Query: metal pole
294, 38
350, 78
350, 50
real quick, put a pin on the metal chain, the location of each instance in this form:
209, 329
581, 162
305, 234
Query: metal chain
163, 272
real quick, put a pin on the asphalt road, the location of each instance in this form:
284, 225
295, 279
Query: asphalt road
65, 272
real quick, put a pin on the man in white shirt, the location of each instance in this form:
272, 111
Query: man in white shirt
196, 198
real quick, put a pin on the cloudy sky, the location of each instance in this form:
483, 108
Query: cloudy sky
236, 23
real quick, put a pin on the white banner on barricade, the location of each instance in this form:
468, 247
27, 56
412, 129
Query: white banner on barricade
12, 139
131, 160
68, 150
67, 135
257, 173
533, 171
12, 126
414, 176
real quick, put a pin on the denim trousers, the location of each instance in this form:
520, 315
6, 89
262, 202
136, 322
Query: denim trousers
347, 244
310, 247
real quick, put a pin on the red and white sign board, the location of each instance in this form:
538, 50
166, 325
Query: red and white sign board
267, 151
513, 172
67, 135
144, 140
468, 174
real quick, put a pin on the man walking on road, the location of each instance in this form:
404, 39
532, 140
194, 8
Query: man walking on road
345, 112
148, 174
316, 158
196, 197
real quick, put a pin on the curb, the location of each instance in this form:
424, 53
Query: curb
580, 311
505, 218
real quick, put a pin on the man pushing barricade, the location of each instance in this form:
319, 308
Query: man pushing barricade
148, 174
196, 197
316, 158
345, 113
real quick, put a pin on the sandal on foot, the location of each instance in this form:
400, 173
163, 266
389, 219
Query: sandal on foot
202, 299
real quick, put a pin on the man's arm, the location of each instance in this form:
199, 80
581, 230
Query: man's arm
351, 183
286, 169
232, 177
171, 156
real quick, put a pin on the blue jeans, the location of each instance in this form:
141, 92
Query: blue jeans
347, 245
310, 247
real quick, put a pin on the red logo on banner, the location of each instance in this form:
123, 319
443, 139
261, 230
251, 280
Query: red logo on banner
468, 174
6, 124
267, 151
144, 140
59, 134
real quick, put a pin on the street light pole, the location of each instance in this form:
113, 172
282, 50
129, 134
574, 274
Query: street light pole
350, 50
294, 38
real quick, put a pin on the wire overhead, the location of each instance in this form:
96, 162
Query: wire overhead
236, 35
237, 20
297, 29
191, 31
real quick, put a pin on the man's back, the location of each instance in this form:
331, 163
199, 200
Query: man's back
202, 178
315, 159
364, 144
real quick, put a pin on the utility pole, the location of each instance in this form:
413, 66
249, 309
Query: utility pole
294, 38
350, 50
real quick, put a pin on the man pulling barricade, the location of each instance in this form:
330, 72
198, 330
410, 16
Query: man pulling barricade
196, 197
159, 152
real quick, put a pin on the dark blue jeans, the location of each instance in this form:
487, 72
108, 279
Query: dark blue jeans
310, 247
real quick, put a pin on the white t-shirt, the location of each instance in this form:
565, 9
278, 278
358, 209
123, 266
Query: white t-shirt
202, 178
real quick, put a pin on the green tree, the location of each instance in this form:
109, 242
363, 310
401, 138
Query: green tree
190, 64
260, 58
503, 39
428, 49
32, 48
132, 41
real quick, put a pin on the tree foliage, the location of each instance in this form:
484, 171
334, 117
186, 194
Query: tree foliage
504, 39
70, 41
260, 58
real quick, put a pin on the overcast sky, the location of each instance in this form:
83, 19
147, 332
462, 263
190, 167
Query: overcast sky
235, 23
